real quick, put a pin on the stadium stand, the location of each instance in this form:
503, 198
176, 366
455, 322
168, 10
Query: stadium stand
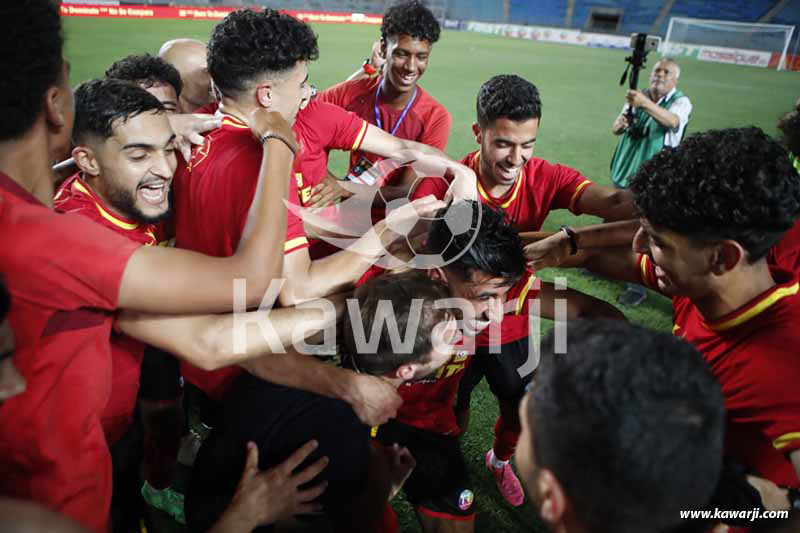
790, 14
637, 15
733, 10
542, 13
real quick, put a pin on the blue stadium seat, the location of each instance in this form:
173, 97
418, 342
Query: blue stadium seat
790, 14
475, 10
735, 10
637, 15
539, 13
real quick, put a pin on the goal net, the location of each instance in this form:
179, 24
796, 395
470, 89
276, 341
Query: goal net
762, 45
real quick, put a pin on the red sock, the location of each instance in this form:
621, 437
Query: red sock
506, 432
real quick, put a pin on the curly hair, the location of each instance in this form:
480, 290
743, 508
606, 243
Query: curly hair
99, 103
637, 467
32, 42
508, 96
410, 18
496, 250
734, 184
146, 70
248, 44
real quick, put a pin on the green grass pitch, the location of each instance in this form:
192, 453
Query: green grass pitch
581, 97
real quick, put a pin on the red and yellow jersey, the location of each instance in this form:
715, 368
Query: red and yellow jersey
752, 353
213, 193
786, 254
427, 121
214, 190
319, 128
541, 187
75, 196
514, 325
64, 273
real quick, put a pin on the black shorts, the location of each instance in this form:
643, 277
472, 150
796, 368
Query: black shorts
502, 371
160, 379
439, 485
279, 420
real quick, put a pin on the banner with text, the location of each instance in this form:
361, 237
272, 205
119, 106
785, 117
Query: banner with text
551, 35
204, 13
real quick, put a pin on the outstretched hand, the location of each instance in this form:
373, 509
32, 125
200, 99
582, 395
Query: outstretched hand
266, 497
188, 129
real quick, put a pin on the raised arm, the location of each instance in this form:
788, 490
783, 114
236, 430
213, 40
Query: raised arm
663, 116
262, 343
307, 279
168, 280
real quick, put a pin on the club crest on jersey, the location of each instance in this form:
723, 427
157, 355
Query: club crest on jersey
465, 499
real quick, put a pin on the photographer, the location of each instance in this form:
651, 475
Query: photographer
660, 114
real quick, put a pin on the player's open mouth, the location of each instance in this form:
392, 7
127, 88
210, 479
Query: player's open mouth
154, 192
407, 79
508, 173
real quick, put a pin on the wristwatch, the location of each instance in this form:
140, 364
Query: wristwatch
573, 239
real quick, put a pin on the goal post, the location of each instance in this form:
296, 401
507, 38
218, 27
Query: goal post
741, 43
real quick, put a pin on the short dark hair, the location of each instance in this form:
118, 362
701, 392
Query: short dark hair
146, 70
494, 248
734, 184
400, 291
99, 103
32, 42
630, 422
410, 18
249, 43
508, 96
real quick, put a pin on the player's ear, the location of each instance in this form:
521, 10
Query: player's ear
264, 95
477, 131
437, 274
86, 160
552, 499
56, 106
726, 255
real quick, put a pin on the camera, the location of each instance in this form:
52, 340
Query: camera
642, 44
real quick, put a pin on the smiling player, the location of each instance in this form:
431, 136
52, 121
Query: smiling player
707, 249
526, 188
394, 101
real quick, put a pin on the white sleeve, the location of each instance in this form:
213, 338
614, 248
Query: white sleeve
683, 108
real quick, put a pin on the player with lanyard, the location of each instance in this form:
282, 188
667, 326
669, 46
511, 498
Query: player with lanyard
488, 277
526, 188
215, 187
392, 101
709, 253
